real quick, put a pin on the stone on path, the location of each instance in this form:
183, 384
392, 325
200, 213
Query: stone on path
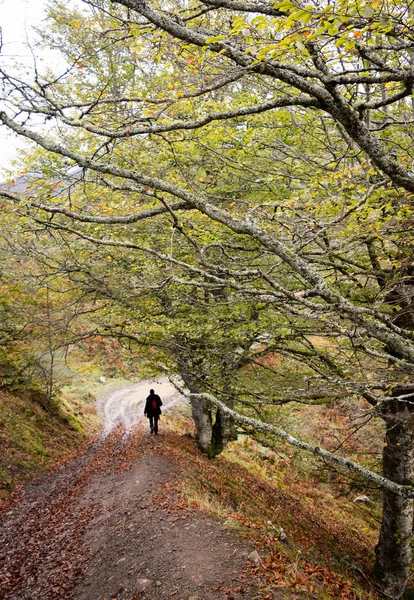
143, 584
254, 558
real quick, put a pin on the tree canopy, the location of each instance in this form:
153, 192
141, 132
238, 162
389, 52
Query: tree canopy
230, 184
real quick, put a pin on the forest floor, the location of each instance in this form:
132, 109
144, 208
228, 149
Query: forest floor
108, 525
101, 527
138, 516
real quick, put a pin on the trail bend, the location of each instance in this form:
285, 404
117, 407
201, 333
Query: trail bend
126, 406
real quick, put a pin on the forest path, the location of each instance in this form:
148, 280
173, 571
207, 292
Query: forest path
108, 526
126, 406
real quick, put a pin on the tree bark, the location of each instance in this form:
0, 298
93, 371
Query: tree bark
393, 562
212, 437
224, 430
202, 418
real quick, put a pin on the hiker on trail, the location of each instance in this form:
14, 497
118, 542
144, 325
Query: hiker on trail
153, 410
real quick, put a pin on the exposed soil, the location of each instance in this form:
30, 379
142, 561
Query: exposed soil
106, 526
140, 546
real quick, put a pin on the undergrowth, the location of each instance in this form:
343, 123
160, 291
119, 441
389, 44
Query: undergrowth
35, 436
311, 542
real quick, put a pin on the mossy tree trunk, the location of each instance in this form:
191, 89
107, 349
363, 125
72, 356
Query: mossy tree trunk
394, 556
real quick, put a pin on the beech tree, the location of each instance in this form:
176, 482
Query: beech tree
243, 189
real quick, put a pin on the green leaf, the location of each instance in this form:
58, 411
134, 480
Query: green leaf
368, 12
284, 6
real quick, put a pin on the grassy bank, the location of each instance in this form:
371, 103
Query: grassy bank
36, 438
312, 542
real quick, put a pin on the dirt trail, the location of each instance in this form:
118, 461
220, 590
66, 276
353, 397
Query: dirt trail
103, 526
126, 406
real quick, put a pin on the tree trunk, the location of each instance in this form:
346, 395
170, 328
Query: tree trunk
393, 563
224, 431
202, 415
212, 438
203, 422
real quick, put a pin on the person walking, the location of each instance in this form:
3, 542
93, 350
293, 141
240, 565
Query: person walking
153, 410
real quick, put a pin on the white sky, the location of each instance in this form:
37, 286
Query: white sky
16, 19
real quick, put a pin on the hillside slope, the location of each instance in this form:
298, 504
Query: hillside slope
34, 440
137, 516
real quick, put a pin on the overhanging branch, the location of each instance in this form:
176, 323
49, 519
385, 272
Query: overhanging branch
401, 490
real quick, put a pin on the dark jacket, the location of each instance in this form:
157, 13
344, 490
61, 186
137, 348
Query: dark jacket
149, 410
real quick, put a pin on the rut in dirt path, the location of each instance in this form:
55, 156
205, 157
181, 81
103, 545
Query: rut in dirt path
97, 529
